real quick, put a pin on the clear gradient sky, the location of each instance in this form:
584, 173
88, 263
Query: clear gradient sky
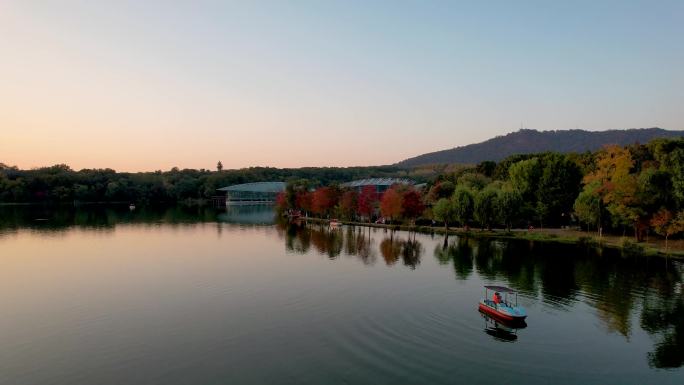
146, 85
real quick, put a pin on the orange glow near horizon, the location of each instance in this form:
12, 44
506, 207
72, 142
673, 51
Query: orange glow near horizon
141, 86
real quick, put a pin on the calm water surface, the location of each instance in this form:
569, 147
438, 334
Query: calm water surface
204, 296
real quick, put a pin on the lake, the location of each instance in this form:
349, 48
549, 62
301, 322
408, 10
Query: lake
105, 295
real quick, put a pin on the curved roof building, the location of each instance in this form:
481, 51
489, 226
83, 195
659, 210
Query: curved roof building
258, 192
380, 184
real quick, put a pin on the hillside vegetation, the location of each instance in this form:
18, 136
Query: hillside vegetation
533, 141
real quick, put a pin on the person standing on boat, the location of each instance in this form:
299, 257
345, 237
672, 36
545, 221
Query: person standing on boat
497, 298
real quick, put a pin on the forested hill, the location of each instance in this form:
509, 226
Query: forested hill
533, 141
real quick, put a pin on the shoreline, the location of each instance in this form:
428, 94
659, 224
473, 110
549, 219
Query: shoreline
539, 235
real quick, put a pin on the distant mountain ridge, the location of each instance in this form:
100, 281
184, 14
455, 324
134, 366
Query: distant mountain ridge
526, 141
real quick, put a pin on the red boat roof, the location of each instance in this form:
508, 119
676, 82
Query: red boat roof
502, 289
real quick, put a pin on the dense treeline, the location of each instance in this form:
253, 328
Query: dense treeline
60, 183
638, 187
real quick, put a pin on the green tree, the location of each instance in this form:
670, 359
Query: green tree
444, 211
558, 187
587, 206
524, 177
82, 192
486, 168
486, 207
473, 181
509, 202
503, 167
541, 211
669, 153
655, 188
464, 205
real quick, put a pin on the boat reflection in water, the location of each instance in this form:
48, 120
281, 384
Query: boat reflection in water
505, 331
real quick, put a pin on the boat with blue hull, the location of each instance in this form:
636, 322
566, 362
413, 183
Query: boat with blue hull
503, 306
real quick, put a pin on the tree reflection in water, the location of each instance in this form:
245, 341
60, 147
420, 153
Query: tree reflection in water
663, 316
327, 241
409, 250
560, 275
618, 289
359, 242
556, 274
460, 252
354, 241
299, 237
390, 249
46, 218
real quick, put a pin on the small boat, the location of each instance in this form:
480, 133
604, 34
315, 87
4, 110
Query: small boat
502, 307
131, 207
335, 223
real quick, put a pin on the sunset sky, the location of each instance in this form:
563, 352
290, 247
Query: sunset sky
137, 86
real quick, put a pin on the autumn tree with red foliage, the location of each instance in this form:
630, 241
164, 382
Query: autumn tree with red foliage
391, 203
281, 201
412, 205
348, 203
367, 201
665, 223
303, 201
324, 200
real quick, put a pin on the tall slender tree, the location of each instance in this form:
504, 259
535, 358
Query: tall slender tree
485, 207
463, 203
443, 211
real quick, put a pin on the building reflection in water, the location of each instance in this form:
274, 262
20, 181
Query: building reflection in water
245, 215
